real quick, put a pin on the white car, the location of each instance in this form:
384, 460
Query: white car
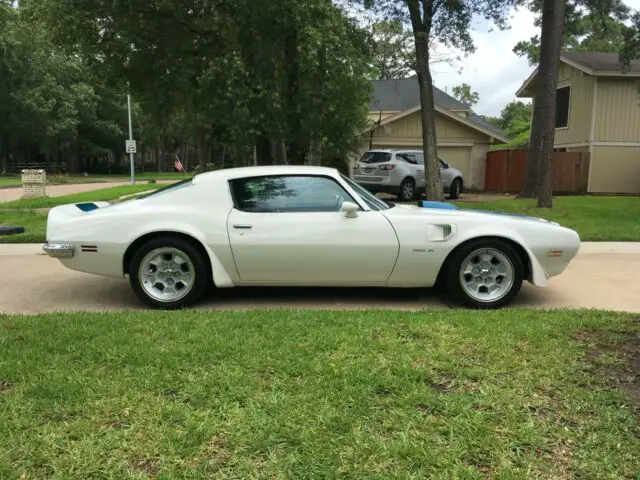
302, 226
401, 173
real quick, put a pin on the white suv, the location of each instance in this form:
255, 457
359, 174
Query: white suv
401, 172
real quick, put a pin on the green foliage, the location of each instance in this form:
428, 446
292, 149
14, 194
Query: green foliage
464, 94
225, 77
590, 26
515, 120
394, 50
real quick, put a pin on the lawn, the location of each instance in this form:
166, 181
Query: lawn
104, 194
15, 181
289, 394
595, 218
33, 222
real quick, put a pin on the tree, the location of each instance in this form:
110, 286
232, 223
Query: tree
464, 94
394, 50
586, 27
515, 120
539, 175
446, 22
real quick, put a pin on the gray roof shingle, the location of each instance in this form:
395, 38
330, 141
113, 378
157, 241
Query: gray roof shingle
402, 94
600, 61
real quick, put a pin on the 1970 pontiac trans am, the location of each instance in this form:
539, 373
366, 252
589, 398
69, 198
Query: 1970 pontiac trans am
302, 226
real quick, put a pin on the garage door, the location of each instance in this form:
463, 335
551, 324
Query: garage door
458, 157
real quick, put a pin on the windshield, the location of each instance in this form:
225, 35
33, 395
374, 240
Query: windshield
370, 199
375, 157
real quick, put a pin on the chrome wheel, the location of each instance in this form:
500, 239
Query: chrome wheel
166, 274
487, 275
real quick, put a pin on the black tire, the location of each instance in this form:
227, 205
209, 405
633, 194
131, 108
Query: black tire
11, 230
407, 190
200, 283
453, 283
455, 189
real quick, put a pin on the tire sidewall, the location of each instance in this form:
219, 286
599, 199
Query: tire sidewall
452, 272
199, 264
401, 194
456, 189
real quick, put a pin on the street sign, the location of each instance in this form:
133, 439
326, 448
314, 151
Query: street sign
131, 146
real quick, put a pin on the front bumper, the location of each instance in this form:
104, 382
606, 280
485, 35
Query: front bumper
59, 250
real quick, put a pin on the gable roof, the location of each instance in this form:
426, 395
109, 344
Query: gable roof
597, 64
403, 95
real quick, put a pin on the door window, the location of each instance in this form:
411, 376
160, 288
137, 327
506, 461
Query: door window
288, 194
408, 158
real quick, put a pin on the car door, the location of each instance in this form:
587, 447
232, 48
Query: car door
446, 174
410, 160
290, 230
420, 179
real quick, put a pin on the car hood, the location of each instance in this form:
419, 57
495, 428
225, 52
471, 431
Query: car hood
449, 210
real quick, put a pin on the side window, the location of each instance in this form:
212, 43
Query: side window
288, 194
407, 157
420, 158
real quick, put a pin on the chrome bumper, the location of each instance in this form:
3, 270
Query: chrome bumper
59, 250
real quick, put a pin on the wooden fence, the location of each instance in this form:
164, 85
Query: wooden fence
505, 170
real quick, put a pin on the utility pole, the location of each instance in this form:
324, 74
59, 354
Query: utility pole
131, 144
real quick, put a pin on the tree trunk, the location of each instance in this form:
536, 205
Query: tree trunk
539, 174
201, 149
421, 31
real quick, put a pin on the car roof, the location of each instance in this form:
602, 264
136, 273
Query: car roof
259, 171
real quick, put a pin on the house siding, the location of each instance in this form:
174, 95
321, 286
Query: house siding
618, 110
614, 170
408, 131
580, 106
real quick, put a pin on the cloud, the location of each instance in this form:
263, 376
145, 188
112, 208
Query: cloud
493, 70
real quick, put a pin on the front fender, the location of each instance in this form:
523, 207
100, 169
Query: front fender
538, 275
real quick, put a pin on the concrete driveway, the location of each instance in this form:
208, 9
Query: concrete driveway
601, 276
15, 193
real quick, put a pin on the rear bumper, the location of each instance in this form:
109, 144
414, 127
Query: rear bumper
59, 250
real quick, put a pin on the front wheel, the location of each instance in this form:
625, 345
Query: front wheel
168, 273
484, 274
456, 189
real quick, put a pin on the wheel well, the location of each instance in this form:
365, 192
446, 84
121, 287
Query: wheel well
408, 177
524, 258
130, 252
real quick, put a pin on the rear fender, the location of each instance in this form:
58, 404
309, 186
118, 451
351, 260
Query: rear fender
221, 276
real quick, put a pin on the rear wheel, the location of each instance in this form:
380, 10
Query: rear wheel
485, 273
407, 190
168, 273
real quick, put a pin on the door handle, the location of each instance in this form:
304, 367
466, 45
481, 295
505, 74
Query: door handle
243, 227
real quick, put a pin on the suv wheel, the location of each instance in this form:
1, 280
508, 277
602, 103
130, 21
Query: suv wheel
456, 189
407, 190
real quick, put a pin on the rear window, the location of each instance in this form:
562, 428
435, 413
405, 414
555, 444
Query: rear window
375, 157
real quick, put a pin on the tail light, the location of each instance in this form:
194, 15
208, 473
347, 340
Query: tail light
388, 166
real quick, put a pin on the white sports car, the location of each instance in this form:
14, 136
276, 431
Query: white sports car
302, 226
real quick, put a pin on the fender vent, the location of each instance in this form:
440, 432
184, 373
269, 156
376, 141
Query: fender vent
89, 248
439, 233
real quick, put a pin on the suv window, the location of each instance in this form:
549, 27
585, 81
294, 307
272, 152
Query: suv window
375, 157
407, 157
288, 194
420, 158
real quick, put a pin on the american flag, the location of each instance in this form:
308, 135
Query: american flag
178, 164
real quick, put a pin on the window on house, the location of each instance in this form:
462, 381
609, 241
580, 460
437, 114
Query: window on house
562, 107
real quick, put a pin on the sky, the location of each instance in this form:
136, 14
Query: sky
493, 70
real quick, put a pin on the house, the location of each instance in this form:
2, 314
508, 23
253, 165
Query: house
598, 110
463, 137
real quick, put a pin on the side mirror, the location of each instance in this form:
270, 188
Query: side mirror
350, 209
445, 164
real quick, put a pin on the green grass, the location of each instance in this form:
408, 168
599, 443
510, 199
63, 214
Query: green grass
515, 394
10, 181
34, 223
15, 181
595, 218
105, 194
